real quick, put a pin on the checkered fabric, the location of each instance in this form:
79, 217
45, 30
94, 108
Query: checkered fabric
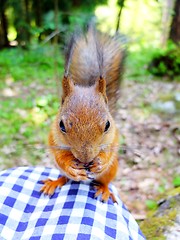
71, 213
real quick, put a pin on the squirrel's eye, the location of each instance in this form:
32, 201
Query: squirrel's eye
62, 127
107, 126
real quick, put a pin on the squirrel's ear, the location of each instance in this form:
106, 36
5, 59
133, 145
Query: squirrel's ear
67, 86
101, 87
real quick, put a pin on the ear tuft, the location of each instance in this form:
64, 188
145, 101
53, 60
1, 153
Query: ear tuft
101, 87
67, 86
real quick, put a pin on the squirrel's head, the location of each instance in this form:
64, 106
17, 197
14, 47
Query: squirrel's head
84, 121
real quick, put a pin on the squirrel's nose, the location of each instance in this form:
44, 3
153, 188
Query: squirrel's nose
86, 159
85, 154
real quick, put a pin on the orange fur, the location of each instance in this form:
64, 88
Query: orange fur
90, 149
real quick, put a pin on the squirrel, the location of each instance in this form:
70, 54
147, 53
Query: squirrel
84, 138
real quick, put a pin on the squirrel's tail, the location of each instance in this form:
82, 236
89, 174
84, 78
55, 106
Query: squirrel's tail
93, 55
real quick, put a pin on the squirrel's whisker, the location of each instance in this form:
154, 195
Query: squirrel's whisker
42, 146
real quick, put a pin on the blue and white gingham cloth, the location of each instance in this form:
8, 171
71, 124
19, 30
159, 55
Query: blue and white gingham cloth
71, 213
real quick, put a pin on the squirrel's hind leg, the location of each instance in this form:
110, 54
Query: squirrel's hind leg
50, 185
104, 191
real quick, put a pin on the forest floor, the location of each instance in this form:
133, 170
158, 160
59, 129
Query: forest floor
148, 118
149, 126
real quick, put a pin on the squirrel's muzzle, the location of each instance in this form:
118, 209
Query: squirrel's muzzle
85, 155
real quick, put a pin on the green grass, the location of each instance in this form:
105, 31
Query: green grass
26, 114
27, 65
138, 61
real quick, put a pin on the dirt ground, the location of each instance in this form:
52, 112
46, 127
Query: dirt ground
149, 124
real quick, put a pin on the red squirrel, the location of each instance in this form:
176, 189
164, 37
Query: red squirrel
84, 138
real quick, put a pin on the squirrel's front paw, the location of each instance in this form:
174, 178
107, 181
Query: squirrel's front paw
92, 168
95, 166
76, 172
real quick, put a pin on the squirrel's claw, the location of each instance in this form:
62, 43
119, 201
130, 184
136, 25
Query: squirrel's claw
104, 191
90, 175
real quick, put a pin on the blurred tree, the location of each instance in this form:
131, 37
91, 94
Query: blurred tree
27, 20
3, 25
37, 9
121, 5
175, 25
167, 7
22, 20
35, 19
166, 63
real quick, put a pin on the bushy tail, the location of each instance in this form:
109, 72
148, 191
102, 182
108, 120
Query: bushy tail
93, 55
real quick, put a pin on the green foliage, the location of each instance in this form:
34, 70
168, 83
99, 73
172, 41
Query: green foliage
38, 18
166, 62
24, 65
162, 217
176, 181
154, 226
137, 62
27, 112
151, 204
161, 189
142, 63
48, 21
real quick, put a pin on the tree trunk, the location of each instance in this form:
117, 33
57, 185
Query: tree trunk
27, 20
38, 15
166, 18
22, 22
121, 5
175, 25
56, 72
4, 42
4, 30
